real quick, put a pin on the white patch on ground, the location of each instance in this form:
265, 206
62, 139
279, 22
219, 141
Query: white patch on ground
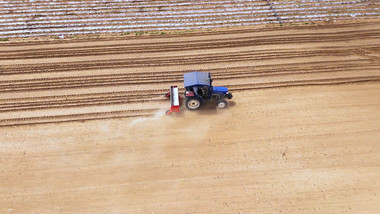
105, 127
156, 116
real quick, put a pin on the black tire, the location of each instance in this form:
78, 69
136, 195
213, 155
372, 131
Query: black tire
193, 103
222, 104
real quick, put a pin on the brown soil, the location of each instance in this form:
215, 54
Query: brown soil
293, 150
301, 134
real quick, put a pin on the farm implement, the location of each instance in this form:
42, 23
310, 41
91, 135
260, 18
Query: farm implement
198, 90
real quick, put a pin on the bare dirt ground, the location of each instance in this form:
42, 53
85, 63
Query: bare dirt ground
294, 150
313, 148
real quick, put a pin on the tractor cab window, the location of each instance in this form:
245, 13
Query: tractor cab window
203, 91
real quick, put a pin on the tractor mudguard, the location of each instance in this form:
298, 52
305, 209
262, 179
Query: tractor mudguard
189, 94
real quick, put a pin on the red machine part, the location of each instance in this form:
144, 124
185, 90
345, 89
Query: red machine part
174, 100
189, 93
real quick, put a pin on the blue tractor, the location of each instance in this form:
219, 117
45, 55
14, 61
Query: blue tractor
199, 89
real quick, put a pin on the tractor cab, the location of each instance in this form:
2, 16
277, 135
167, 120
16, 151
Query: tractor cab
199, 89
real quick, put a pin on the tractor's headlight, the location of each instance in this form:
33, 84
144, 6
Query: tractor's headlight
228, 95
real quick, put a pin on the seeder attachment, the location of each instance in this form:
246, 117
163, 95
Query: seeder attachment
174, 100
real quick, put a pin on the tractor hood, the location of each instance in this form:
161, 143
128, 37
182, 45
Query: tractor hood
219, 90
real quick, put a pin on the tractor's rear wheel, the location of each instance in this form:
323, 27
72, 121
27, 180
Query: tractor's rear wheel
193, 103
222, 104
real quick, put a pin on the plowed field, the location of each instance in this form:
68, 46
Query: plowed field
82, 128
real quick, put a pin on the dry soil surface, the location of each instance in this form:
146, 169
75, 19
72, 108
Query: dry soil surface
301, 134
294, 150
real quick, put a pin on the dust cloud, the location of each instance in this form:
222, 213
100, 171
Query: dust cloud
156, 116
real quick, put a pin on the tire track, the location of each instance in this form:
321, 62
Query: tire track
77, 117
72, 103
192, 45
172, 61
135, 93
29, 105
148, 112
311, 82
174, 77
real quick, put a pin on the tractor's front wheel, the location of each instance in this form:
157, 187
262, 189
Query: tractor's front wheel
222, 104
193, 103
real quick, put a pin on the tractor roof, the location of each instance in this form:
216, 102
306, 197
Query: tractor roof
197, 79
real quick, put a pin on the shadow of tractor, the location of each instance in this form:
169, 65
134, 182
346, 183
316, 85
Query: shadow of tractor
210, 108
